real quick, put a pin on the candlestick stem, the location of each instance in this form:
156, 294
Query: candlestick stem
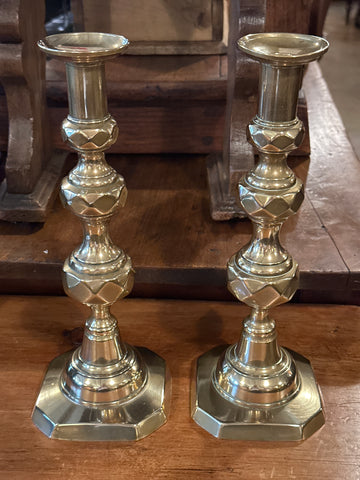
256, 389
105, 389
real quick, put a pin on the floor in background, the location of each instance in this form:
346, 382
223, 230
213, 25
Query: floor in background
341, 67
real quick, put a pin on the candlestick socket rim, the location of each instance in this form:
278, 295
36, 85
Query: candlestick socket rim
84, 46
286, 49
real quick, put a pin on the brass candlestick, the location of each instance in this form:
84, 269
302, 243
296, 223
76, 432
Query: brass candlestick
255, 389
105, 389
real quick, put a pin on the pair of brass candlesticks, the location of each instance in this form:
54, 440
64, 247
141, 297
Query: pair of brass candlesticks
107, 390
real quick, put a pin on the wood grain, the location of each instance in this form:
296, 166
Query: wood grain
181, 68
167, 230
153, 20
31, 173
333, 180
178, 251
158, 27
22, 75
294, 16
192, 127
32, 333
176, 105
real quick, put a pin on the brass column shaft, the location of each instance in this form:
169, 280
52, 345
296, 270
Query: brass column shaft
83, 81
257, 347
102, 345
279, 89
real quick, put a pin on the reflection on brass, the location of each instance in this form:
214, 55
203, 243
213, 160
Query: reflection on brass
256, 389
105, 389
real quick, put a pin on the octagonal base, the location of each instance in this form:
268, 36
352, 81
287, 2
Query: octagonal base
297, 419
59, 417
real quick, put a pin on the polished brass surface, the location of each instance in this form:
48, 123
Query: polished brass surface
105, 389
256, 389
220, 416
59, 416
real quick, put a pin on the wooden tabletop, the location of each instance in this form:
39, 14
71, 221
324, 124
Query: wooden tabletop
34, 330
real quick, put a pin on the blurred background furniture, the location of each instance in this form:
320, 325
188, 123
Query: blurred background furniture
349, 5
30, 171
168, 92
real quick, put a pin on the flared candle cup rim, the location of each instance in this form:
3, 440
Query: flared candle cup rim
288, 49
84, 46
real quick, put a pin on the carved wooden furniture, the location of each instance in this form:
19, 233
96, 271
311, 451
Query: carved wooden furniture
31, 173
171, 84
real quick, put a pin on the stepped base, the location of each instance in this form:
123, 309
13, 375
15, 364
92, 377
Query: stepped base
59, 417
296, 419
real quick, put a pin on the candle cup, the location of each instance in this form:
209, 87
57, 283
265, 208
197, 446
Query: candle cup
255, 389
105, 389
